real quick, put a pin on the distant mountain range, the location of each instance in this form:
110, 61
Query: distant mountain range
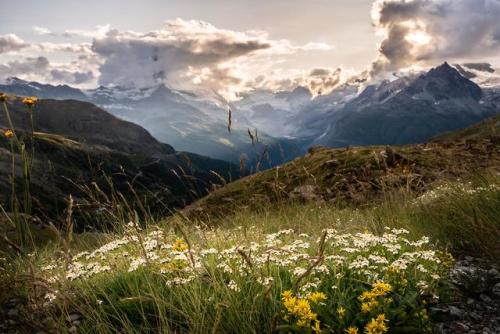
409, 109
184, 120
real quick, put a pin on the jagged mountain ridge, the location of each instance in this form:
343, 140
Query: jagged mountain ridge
185, 120
438, 101
409, 109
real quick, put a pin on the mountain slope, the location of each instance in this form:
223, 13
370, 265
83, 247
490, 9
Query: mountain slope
439, 101
87, 123
358, 175
77, 143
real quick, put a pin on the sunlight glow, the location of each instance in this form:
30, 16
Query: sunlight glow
418, 37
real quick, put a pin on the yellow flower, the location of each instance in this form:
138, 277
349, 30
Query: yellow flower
341, 312
179, 246
317, 297
287, 294
367, 295
381, 288
351, 330
289, 304
8, 134
302, 322
367, 307
317, 327
3, 97
30, 101
299, 308
376, 325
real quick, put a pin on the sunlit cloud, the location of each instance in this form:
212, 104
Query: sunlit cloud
422, 32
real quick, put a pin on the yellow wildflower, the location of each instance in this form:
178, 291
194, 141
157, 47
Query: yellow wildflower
289, 304
317, 297
179, 246
30, 101
8, 134
3, 97
367, 307
298, 308
302, 322
381, 288
376, 325
367, 295
287, 294
341, 312
317, 327
352, 330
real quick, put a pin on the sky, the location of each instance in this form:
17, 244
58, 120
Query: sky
239, 45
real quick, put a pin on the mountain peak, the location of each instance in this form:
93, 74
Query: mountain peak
444, 82
14, 81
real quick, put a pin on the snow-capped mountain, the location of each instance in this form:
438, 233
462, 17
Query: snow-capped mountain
411, 108
271, 112
187, 121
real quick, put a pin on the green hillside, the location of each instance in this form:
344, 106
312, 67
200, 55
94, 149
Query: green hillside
360, 175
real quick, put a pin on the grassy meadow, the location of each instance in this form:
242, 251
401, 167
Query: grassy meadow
302, 268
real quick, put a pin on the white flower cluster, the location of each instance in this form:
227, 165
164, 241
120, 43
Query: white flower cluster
366, 255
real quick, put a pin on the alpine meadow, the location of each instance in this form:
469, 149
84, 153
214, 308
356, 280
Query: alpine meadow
250, 166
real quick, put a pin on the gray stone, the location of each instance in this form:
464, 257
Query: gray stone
73, 317
13, 312
456, 312
496, 290
485, 298
475, 316
493, 273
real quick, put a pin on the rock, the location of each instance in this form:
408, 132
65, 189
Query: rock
485, 298
456, 312
13, 312
306, 193
462, 327
73, 317
436, 312
475, 316
494, 274
496, 290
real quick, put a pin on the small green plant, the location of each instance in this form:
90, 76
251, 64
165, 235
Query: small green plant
20, 211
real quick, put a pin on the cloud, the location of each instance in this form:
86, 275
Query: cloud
41, 31
81, 48
427, 31
31, 65
185, 54
318, 80
11, 42
41, 69
99, 31
191, 53
180, 47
